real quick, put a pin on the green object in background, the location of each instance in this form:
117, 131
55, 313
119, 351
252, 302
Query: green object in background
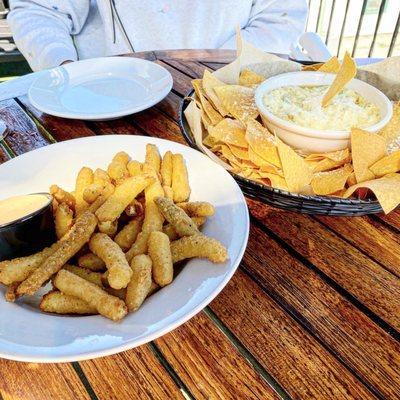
12, 69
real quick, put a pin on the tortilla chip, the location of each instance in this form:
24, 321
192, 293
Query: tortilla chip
347, 72
209, 141
367, 148
331, 66
213, 115
275, 181
229, 131
337, 156
209, 83
391, 132
386, 190
256, 159
226, 153
262, 142
296, 171
250, 78
238, 100
324, 183
312, 67
239, 152
351, 180
387, 165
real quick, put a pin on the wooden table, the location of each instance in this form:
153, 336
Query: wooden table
312, 312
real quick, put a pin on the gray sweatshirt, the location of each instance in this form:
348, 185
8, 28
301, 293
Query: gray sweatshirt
49, 32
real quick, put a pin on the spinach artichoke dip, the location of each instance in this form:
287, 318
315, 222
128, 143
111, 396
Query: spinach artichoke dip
302, 106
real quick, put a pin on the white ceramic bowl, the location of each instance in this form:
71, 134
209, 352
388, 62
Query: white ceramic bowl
311, 140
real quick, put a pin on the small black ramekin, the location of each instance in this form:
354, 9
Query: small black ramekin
29, 234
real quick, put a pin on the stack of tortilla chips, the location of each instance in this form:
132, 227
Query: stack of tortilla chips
231, 128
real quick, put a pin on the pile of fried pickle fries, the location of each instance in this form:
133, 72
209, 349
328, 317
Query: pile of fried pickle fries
119, 235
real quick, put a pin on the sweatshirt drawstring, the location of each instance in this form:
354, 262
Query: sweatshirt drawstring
114, 14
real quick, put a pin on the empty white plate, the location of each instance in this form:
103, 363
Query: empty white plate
27, 334
100, 88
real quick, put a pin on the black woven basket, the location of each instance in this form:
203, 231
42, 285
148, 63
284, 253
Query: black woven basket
289, 201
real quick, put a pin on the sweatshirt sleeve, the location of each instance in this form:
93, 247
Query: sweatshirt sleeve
273, 25
42, 29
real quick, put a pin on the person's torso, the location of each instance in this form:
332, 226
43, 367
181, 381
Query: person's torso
162, 24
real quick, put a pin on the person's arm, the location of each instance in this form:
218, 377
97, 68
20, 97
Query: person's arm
273, 25
42, 29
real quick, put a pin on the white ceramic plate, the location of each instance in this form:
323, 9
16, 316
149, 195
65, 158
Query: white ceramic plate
100, 88
26, 334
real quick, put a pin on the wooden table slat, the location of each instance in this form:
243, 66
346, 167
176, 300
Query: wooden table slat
364, 347
136, 374
209, 364
3, 154
372, 285
59, 128
30, 381
293, 357
370, 236
23, 135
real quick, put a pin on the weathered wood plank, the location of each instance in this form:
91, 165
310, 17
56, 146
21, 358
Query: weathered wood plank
293, 357
182, 82
133, 374
190, 68
154, 123
393, 219
3, 155
170, 105
23, 134
209, 365
364, 347
211, 55
372, 285
59, 128
120, 126
370, 236
31, 381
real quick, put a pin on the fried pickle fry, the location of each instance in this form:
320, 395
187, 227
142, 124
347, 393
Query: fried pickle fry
180, 180
198, 246
18, 269
160, 254
109, 306
69, 245
139, 247
92, 262
123, 195
61, 196
170, 231
63, 219
109, 227
140, 284
119, 272
175, 215
93, 191
166, 169
134, 168
11, 293
128, 234
168, 192
117, 170
87, 275
83, 180
108, 190
60, 303
153, 157
101, 177
197, 208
